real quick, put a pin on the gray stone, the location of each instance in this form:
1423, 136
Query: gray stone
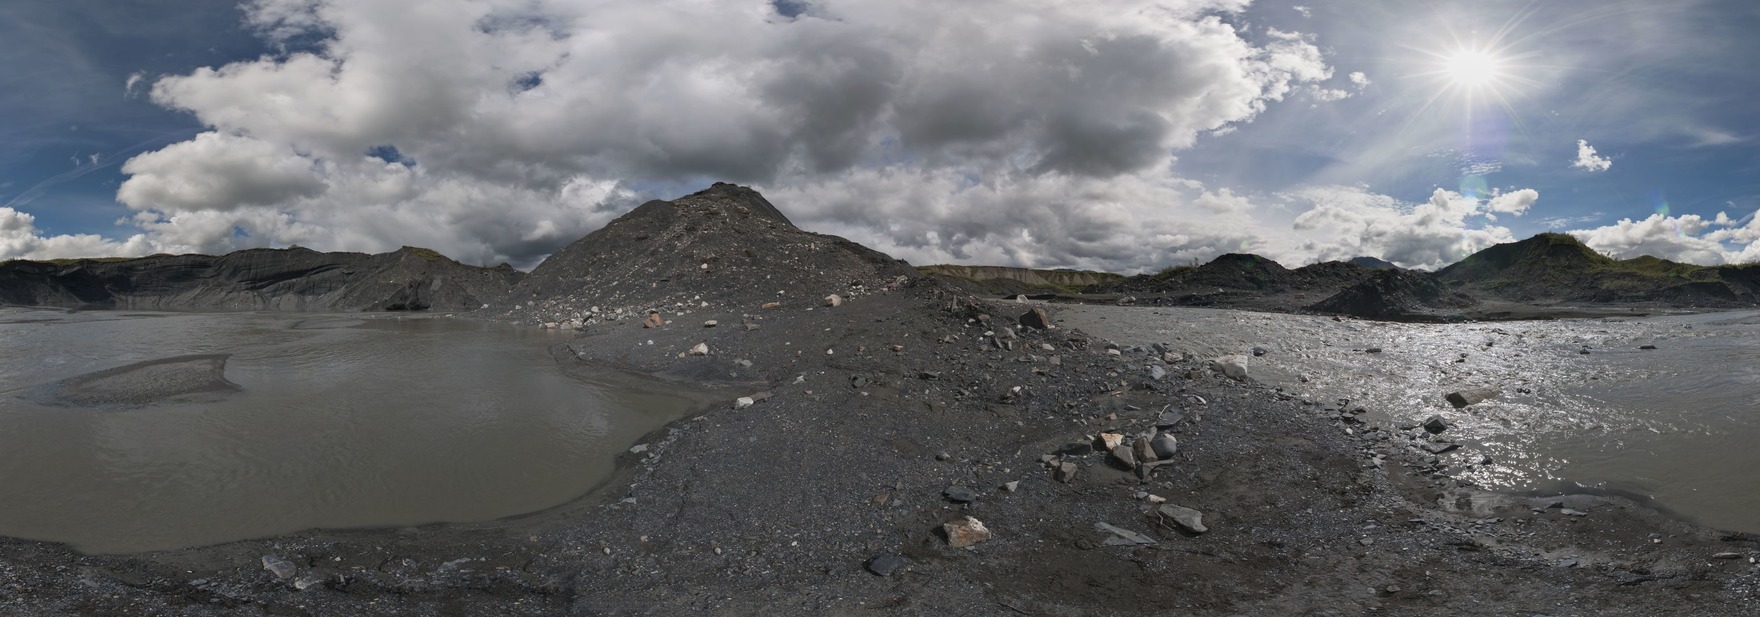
1011, 485
960, 494
711, 323
281, 568
1441, 447
1463, 398
701, 349
1157, 373
1145, 453
743, 402
1064, 472
885, 565
1035, 319
1260, 351
1169, 418
1164, 445
1123, 537
1187, 519
1124, 457
1435, 425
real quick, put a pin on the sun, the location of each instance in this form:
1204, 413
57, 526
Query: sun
1472, 68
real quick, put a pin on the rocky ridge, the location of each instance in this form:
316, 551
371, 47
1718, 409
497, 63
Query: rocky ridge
292, 279
713, 250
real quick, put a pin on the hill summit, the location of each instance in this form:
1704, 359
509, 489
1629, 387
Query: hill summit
722, 246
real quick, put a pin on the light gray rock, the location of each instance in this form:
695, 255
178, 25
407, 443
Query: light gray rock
1123, 537
1165, 446
281, 568
1185, 518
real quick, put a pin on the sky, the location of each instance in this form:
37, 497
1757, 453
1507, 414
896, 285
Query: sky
1118, 135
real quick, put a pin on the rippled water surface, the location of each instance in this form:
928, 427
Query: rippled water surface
333, 422
1677, 424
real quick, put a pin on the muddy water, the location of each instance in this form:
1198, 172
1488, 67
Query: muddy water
1676, 424
134, 432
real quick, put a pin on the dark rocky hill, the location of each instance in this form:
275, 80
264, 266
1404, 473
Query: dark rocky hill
1559, 268
293, 279
1004, 281
724, 249
1398, 295
1371, 263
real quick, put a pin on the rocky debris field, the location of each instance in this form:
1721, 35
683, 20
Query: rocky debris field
891, 445
917, 451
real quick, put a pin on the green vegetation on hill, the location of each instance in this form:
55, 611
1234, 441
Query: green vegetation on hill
1559, 267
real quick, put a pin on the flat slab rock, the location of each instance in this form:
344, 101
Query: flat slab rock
1185, 518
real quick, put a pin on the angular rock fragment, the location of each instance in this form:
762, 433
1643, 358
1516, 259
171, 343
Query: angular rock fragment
1123, 537
1036, 319
1463, 398
965, 532
885, 565
1434, 425
1187, 519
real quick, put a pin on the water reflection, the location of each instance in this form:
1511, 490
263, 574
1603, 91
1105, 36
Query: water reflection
338, 422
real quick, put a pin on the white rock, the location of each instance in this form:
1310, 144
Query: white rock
702, 349
834, 300
1233, 365
743, 402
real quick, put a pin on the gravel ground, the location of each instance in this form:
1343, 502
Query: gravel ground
877, 408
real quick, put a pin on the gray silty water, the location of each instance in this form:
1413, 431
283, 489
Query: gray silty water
116, 436
1677, 423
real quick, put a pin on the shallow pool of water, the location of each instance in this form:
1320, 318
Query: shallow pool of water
327, 422
1674, 424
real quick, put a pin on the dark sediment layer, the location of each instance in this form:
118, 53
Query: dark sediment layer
181, 378
294, 279
874, 421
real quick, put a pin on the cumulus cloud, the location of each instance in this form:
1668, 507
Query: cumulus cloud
1587, 160
1675, 238
1360, 79
20, 239
1351, 221
1023, 131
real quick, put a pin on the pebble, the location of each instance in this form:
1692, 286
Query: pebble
885, 565
960, 494
966, 532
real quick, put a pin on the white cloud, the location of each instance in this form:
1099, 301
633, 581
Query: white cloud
1513, 202
522, 125
1675, 238
1305, 11
20, 239
1351, 221
1360, 79
1586, 159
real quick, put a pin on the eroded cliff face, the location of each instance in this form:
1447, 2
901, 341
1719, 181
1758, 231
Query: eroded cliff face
294, 279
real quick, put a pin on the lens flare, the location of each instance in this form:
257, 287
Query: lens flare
1472, 68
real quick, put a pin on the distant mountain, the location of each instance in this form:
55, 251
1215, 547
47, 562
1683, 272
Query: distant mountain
1371, 263
1398, 295
1004, 281
1554, 267
291, 279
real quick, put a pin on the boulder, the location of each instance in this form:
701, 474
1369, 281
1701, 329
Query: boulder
1463, 398
834, 300
1192, 521
701, 349
1144, 451
1234, 366
1124, 457
1036, 319
654, 320
281, 568
1064, 472
965, 532
1435, 425
1164, 446
1108, 441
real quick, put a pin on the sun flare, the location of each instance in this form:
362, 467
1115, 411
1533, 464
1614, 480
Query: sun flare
1472, 68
